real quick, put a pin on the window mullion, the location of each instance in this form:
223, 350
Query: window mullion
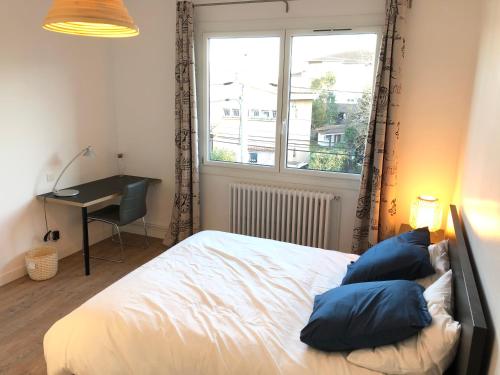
282, 133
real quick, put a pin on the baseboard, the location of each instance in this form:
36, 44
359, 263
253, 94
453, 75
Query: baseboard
12, 275
20, 271
154, 230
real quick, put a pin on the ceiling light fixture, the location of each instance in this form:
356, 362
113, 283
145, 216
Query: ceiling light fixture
97, 18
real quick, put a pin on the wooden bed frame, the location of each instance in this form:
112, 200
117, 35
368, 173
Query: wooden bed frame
468, 308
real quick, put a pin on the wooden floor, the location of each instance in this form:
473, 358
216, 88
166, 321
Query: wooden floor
28, 308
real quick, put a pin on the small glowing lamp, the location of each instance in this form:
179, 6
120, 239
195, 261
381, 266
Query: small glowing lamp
426, 212
97, 18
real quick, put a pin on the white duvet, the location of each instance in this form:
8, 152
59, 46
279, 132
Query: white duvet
216, 303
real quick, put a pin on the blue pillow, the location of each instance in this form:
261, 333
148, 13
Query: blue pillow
404, 257
420, 236
365, 315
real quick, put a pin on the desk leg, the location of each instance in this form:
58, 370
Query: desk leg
85, 232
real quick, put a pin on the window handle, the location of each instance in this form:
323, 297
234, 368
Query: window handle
284, 127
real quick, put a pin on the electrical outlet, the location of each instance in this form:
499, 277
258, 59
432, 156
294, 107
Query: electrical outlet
52, 236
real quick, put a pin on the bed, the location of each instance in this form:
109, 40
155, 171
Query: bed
222, 303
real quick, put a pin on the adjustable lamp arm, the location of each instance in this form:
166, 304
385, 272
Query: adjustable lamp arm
84, 151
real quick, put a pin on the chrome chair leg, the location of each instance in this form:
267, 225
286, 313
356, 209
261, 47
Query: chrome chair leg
113, 237
146, 242
121, 242
113, 226
146, 238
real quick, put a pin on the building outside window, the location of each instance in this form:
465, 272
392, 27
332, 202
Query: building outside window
254, 113
327, 90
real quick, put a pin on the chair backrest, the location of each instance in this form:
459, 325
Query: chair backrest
133, 202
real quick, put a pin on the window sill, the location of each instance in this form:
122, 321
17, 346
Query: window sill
271, 175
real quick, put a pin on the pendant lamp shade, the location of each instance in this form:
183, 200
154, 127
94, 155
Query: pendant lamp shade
97, 18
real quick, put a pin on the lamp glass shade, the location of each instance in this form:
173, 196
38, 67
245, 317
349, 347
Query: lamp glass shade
97, 18
426, 212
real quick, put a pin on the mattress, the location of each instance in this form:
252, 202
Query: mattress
216, 303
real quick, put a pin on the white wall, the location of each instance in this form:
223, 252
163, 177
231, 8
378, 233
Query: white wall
144, 89
478, 189
441, 55
144, 93
55, 98
438, 77
336, 12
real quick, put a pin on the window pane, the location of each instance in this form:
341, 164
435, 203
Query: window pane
330, 97
243, 84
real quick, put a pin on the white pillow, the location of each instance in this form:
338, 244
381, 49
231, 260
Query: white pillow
440, 293
431, 351
438, 254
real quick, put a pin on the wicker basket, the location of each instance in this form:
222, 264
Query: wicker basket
41, 263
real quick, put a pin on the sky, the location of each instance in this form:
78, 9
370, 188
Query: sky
255, 62
254, 59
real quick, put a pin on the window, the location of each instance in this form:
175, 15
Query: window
254, 157
326, 89
254, 114
245, 72
331, 82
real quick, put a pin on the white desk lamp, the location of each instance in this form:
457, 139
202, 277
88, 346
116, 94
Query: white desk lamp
87, 152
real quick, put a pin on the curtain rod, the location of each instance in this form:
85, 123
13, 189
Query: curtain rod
287, 7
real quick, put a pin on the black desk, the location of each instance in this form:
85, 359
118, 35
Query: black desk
93, 193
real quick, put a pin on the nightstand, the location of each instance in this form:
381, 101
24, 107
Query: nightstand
436, 236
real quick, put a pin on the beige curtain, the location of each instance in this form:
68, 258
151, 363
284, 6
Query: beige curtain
376, 210
186, 210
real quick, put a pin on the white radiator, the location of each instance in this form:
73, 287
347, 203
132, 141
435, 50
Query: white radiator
297, 216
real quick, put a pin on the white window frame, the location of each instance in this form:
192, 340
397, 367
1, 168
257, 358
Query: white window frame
285, 35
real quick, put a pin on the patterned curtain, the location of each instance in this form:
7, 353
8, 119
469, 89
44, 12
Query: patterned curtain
376, 210
186, 210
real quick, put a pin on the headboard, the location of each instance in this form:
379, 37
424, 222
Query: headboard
468, 307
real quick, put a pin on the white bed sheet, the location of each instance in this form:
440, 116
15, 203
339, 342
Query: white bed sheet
216, 303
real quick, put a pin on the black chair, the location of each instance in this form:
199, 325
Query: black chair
131, 208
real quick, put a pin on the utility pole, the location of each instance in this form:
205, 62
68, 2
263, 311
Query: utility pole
243, 136
243, 128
